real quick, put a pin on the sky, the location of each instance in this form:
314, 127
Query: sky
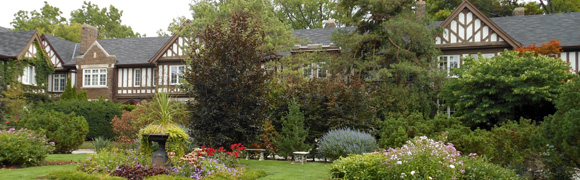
145, 17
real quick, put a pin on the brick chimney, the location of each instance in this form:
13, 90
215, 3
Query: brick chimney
329, 23
88, 37
420, 9
519, 11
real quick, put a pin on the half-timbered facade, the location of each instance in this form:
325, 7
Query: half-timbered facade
136, 68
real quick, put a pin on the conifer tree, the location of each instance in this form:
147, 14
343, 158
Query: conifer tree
293, 135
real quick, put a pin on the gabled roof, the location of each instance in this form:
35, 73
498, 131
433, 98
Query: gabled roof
535, 29
13, 44
319, 35
478, 14
64, 49
133, 50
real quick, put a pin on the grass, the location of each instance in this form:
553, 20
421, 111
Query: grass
287, 170
38, 171
32, 172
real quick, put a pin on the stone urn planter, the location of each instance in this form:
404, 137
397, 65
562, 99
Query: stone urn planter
160, 158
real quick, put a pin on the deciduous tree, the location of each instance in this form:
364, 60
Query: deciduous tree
225, 80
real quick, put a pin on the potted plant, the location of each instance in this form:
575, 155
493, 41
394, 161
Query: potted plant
164, 131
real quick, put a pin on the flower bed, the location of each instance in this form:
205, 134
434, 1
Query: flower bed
23, 147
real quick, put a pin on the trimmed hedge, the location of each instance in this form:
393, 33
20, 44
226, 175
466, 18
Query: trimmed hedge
66, 130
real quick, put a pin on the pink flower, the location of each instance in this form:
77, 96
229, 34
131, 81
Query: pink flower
462, 171
52, 143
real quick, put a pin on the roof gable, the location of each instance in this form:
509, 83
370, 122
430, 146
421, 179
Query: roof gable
173, 49
467, 26
15, 44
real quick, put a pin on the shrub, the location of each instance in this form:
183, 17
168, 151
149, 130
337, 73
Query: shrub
107, 161
342, 142
66, 130
137, 172
97, 113
100, 143
124, 126
396, 131
23, 147
420, 158
77, 175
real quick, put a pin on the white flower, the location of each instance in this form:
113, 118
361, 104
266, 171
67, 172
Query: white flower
412, 172
399, 162
430, 177
452, 166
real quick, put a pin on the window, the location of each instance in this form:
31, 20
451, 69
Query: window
95, 77
321, 70
154, 77
28, 75
137, 79
176, 72
487, 55
307, 71
448, 63
58, 82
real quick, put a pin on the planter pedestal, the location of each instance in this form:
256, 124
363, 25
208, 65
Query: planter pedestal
160, 158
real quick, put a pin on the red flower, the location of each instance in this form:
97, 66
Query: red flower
221, 149
16, 121
7, 122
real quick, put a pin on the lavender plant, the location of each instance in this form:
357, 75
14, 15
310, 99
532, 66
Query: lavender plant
342, 142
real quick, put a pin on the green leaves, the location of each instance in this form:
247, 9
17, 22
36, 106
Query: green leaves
508, 86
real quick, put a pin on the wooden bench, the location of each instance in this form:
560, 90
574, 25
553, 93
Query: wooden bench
300, 156
248, 151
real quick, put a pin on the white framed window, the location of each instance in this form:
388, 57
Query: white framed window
321, 70
448, 63
176, 72
58, 82
137, 78
486, 55
307, 71
29, 75
95, 77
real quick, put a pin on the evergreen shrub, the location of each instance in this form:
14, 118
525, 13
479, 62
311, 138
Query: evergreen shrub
98, 114
342, 142
68, 131
23, 147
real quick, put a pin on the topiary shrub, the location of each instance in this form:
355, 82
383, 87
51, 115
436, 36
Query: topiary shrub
420, 158
66, 130
98, 114
342, 142
23, 147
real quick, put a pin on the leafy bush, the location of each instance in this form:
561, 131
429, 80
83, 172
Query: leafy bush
396, 131
23, 147
77, 175
66, 130
420, 158
137, 172
124, 126
342, 142
107, 161
97, 113
293, 132
100, 143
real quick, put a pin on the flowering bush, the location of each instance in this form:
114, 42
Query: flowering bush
420, 158
108, 161
204, 167
23, 147
342, 142
229, 158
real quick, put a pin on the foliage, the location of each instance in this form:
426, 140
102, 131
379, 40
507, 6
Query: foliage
137, 172
211, 12
420, 158
559, 132
293, 133
205, 162
98, 114
108, 160
12, 102
552, 47
267, 138
396, 131
124, 127
23, 147
49, 20
560, 6
229, 158
226, 81
492, 91
304, 14
78, 175
177, 141
392, 48
68, 131
70, 92
511, 145
100, 143
342, 142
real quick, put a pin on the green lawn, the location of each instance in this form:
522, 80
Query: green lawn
286, 170
66, 157
38, 171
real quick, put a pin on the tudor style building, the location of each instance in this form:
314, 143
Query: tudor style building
136, 68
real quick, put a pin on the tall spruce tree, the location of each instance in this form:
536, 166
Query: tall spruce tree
293, 135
